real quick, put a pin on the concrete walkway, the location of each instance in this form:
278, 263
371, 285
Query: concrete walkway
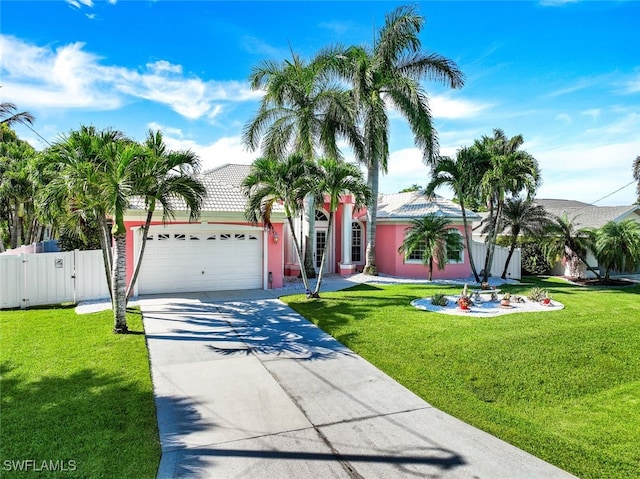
247, 388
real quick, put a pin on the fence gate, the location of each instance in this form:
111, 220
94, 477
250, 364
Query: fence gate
51, 278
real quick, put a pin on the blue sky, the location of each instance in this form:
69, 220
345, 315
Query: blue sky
564, 74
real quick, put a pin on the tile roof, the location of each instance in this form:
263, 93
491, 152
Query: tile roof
224, 194
415, 204
597, 216
556, 203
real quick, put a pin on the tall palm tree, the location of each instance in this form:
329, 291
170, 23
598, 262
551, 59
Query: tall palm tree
165, 177
617, 246
337, 178
563, 239
522, 215
272, 182
433, 236
510, 171
388, 74
636, 176
117, 188
454, 173
303, 112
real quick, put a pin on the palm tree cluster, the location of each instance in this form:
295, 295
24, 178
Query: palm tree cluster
344, 93
288, 181
493, 172
88, 179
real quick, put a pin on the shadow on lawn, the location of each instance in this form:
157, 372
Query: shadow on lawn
85, 417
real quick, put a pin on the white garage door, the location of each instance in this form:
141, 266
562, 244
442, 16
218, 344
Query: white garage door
214, 261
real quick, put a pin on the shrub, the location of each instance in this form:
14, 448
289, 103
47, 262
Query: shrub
534, 262
439, 299
537, 294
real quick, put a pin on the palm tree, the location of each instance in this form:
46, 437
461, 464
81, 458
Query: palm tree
522, 215
636, 175
335, 179
16, 185
117, 188
564, 240
454, 173
510, 171
434, 237
617, 246
96, 178
272, 182
302, 112
389, 74
164, 177
9, 115
72, 197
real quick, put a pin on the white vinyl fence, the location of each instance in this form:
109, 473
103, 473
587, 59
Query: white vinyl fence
479, 250
51, 278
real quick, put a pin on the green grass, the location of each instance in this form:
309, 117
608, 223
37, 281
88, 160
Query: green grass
563, 385
73, 391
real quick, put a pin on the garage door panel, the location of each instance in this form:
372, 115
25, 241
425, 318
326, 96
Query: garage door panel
212, 261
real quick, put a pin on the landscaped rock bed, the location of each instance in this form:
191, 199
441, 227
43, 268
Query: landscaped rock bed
486, 308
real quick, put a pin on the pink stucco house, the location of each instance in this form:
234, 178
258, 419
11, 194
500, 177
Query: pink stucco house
222, 251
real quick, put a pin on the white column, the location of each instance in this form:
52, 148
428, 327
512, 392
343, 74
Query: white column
346, 233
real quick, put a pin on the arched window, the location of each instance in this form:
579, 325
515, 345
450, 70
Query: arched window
321, 216
356, 242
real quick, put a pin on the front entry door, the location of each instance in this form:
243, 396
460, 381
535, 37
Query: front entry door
321, 244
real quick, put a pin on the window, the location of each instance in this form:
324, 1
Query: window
320, 216
179, 237
416, 255
163, 237
225, 236
356, 242
455, 256
211, 238
253, 238
194, 238
239, 236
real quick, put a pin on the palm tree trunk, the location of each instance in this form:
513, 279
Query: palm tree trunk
118, 279
309, 265
512, 247
372, 212
468, 239
298, 248
145, 232
105, 246
430, 268
492, 243
485, 271
324, 257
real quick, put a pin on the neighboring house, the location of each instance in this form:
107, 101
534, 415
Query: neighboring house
587, 216
222, 251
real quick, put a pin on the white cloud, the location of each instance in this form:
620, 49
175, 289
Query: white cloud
405, 168
633, 86
450, 108
79, 3
222, 151
564, 118
69, 77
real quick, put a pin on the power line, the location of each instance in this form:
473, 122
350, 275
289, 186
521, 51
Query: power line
39, 135
614, 192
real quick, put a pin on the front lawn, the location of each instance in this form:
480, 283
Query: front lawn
76, 398
563, 385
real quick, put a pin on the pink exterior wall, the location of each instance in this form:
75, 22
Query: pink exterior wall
389, 237
274, 250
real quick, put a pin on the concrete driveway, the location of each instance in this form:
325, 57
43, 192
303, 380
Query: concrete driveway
247, 388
